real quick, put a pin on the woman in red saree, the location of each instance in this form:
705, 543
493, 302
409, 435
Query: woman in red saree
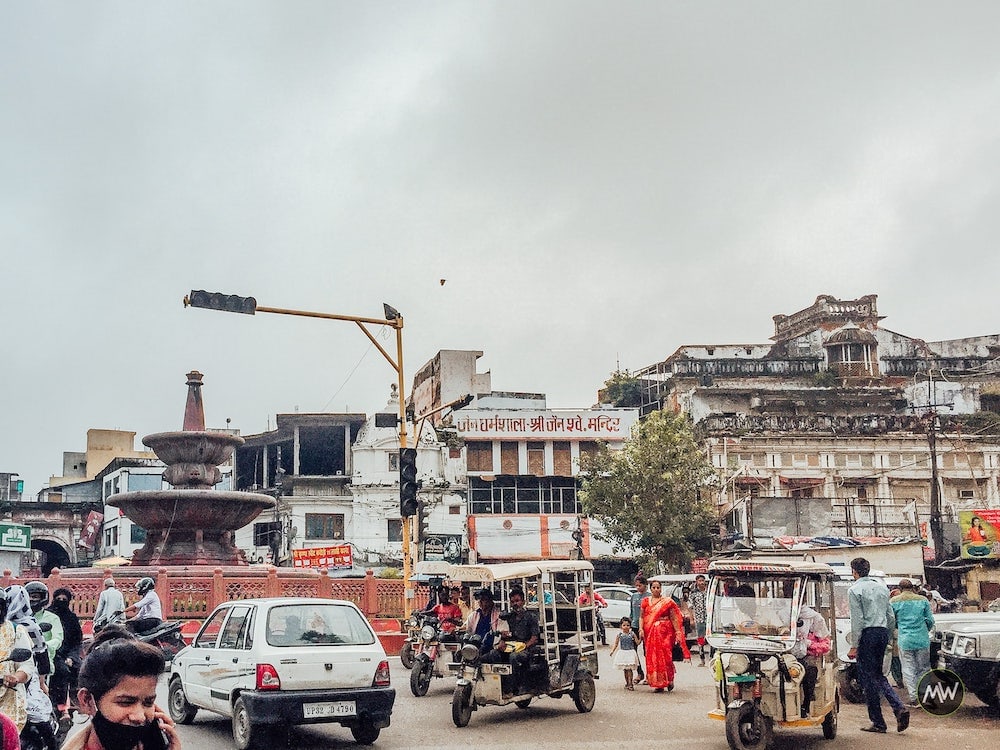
662, 626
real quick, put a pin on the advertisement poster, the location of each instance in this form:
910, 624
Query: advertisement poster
447, 547
337, 557
980, 531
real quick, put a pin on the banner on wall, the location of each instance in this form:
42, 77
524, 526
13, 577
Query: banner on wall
337, 557
980, 531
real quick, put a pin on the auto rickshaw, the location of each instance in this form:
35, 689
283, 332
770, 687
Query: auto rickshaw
765, 660
565, 660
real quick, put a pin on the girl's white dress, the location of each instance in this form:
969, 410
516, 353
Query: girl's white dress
626, 657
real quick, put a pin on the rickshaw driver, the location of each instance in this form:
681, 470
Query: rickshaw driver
515, 645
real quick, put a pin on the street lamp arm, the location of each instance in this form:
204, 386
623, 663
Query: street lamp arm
397, 323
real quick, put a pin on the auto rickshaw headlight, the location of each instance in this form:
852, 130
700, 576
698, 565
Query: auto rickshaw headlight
794, 667
427, 632
738, 664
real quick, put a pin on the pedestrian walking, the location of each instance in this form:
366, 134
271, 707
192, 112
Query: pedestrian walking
914, 622
624, 652
661, 627
635, 602
872, 623
699, 606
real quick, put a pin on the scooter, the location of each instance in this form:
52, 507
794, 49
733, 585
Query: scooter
166, 636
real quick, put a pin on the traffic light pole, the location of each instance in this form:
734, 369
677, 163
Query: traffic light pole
249, 306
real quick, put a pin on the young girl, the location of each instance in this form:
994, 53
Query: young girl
624, 653
117, 687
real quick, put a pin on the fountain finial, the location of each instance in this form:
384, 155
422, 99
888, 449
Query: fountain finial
194, 409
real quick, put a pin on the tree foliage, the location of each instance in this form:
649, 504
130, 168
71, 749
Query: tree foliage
649, 495
621, 389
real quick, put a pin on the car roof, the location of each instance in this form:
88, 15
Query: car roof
503, 571
283, 600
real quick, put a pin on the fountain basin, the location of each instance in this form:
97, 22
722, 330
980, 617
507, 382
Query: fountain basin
211, 510
212, 448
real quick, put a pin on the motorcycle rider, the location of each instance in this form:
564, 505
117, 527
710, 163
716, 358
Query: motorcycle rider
19, 613
38, 596
148, 611
109, 602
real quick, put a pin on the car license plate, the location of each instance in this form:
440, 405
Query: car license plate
332, 708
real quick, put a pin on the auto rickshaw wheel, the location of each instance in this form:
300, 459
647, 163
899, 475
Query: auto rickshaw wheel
523, 704
406, 655
747, 728
584, 694
830, 723
461, 705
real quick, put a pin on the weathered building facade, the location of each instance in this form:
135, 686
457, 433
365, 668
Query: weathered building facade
837, 409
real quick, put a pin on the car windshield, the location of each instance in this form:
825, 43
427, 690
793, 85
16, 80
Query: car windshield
317, 624
754, 605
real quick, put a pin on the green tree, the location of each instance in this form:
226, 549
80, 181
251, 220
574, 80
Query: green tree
621, 389
648, 495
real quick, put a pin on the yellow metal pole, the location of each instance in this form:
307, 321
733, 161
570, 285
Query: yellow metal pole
397, 323
407, 526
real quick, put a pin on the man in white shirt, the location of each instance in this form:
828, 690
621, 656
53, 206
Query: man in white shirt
110, 600
148, 612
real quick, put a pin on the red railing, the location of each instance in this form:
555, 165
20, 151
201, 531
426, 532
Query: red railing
191, 594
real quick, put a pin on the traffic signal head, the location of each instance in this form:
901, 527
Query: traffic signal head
219, 301
408, 482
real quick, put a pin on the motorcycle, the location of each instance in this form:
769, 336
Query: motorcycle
411, 645
426, 661
754, 627
166, 636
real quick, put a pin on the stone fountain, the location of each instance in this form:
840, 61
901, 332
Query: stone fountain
193, 523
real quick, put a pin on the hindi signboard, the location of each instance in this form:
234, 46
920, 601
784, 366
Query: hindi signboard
14, 537
611, 425
337, 557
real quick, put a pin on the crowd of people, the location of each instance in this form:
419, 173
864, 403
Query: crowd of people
48, 675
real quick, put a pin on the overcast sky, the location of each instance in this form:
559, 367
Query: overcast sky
598, 183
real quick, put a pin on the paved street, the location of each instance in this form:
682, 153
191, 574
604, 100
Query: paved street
674, 720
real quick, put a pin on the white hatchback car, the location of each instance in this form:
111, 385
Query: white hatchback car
618, 597
273, 663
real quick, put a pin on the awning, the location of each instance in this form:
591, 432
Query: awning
110, 562
803, 481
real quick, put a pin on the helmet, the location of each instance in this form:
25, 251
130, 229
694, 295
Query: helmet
144, 584
38, 594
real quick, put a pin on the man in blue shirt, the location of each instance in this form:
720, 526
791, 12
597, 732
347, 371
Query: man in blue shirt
914, 622
872, 623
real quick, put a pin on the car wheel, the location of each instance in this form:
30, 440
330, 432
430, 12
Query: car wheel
180, 710
830, 723
246, 734
365, 733
584, 694
461, 705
